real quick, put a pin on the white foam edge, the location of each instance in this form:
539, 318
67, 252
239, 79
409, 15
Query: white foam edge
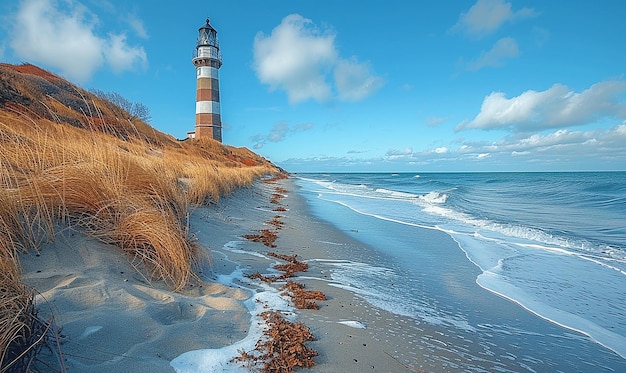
233, 247
612, 341
220, 359
353, 324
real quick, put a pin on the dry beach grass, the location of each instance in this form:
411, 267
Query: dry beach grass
69, 160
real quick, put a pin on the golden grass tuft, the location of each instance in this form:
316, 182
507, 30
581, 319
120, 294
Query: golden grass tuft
123, 192
70, 159
22, 333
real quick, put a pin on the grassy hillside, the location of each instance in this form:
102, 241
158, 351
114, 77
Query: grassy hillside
70, 159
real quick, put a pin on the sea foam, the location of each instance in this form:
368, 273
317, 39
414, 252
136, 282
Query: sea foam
517, 228
221, 359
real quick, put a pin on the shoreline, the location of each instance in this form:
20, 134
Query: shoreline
112, 318
345, 324
483, 329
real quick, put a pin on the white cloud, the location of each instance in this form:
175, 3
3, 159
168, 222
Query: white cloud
354, 151
560, 150
435, 121
279, 132
324, 163
64, 38
137, 25
441, 150
394, 154
555, 107
486, 16
121, 56
355, 80
399, 152
298, 58
503, 49
564, 145
294, 58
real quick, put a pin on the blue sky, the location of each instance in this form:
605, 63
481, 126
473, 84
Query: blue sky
394, 86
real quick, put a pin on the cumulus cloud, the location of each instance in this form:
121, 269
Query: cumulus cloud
399, 153
295, 58
562, 149
278, 133
486, 16
354, 80
562, 144
405, 151
302, 60
503, 49
324, 163
137, 25
435, 121
555, 107
121, 56
43, 31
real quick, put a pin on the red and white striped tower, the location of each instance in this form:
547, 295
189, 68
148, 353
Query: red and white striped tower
208, 59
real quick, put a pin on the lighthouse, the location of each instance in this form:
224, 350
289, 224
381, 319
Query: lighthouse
208, 59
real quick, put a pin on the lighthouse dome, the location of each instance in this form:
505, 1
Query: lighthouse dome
207, 36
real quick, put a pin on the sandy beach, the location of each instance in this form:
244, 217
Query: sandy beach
112, 319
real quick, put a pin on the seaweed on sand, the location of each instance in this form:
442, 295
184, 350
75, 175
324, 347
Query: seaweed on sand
303, 299
289, 269
276, 222
265, 236
282, 348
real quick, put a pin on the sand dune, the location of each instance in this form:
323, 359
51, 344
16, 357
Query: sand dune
112, 319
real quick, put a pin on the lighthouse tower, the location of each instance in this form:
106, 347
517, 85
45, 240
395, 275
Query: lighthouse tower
208, 59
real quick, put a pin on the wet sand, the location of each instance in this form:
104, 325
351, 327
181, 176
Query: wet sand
113, 319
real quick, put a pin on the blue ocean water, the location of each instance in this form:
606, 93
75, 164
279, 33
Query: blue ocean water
552, 244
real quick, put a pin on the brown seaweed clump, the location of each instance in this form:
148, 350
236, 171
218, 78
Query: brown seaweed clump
289, 269
265, 236
303, 299
282, 348
276, 222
